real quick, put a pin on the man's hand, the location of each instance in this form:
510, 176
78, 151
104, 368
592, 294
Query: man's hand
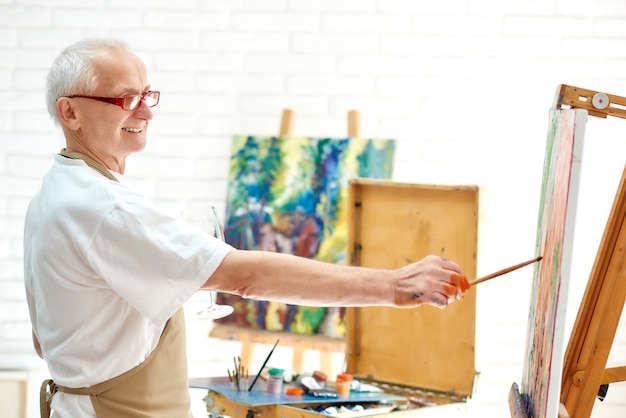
433, 280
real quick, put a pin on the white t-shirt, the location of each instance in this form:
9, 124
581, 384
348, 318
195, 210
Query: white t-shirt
104, 270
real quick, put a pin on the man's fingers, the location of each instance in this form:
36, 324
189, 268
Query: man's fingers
439, 300
460, 281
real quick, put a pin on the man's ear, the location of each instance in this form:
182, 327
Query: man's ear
67, 114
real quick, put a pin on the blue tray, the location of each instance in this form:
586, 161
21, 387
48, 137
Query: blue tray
258, 396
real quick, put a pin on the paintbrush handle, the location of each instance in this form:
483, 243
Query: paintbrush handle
504, 271
263, 366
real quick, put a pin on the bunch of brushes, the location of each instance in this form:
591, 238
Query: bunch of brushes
239, 376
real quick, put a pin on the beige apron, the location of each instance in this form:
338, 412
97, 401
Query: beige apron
156, 388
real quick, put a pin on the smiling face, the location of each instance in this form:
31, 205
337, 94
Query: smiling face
104, 131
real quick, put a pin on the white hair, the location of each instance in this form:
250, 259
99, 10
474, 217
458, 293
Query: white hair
72, 71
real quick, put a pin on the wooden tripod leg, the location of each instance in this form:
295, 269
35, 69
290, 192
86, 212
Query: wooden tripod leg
598, 316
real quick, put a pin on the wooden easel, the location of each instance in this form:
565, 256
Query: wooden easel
584, 367
300, 343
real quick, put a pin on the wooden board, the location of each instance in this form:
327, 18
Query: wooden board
392, 224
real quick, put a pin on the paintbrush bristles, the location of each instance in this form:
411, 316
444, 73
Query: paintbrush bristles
504, 271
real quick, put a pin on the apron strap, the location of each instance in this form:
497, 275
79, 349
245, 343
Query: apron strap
47, 391
90, 162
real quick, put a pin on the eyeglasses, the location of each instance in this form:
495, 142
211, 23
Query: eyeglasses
128, 102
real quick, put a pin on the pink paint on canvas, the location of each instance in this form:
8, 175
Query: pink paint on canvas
555, 230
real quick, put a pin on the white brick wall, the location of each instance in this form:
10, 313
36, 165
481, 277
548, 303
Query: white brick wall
463, 85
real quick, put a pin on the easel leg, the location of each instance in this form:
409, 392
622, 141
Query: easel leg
247, 352
598, 316
326, 363
298, 358
563, 411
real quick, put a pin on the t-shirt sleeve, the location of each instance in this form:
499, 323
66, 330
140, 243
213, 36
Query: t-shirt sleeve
152, 260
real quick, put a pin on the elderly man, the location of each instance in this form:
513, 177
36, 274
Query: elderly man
106, 273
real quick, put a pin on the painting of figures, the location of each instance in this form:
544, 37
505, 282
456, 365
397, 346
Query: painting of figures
289, 195
545, 335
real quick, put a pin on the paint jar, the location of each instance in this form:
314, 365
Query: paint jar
343, 384
275, 381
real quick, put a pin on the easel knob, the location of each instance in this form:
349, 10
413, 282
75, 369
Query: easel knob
600, 101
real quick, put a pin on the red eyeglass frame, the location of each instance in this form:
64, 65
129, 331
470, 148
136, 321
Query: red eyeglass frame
119, 101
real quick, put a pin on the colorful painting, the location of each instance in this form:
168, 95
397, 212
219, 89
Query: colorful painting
289, 195
555, 229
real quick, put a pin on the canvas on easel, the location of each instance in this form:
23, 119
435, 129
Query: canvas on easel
288, 195
555, 229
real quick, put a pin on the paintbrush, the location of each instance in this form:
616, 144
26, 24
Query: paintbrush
504, 271
263, 366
